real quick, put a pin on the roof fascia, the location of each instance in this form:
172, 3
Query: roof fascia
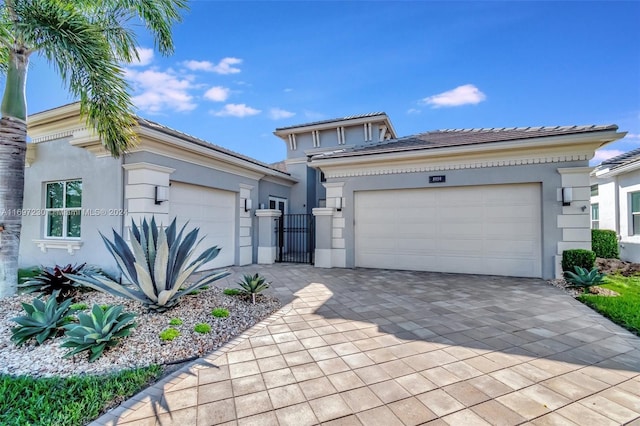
159, 142
597, 139
332, 124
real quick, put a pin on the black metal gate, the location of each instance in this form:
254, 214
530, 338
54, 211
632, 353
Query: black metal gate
296, 238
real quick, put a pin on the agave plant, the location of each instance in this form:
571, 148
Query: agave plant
98, 331
157, 265
50, 280
584, 278
43, 320
252, 285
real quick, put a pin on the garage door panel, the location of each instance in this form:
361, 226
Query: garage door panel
213, 212
493, 229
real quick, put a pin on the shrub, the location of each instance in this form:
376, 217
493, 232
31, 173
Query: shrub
220, 312
169, 334
43, 320
604, 243
175, 321
252, 285
54, 279
202, 328
79, 306
98, 331
157, 264
578, 257
231, 291
584, 278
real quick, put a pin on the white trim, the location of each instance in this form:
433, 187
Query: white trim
148, 166
305, 128
70, 245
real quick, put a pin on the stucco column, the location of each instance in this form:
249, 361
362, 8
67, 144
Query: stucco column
140, 185
245, 243
267, 237
324, 228
575, 220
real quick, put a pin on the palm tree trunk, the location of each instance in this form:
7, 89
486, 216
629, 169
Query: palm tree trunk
13, 148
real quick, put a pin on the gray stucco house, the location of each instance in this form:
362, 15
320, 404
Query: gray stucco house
615, 201
485, 201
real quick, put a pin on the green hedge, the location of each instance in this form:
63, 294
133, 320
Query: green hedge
578, 257
604, 243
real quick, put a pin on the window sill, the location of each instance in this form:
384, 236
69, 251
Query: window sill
70, 245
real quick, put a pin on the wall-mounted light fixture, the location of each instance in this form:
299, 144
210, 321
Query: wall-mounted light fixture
339, 203
567, 196
162, 194
248, 204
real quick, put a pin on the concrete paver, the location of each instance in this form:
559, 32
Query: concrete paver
374, 347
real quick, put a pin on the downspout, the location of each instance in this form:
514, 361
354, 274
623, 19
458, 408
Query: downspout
616, 193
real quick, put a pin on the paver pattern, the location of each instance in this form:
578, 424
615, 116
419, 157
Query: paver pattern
377, 347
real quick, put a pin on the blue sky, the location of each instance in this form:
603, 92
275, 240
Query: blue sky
241, 69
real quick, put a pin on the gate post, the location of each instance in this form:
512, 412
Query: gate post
324, 218
267, 238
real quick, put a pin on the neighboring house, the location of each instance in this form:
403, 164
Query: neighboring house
615, 201
482, 201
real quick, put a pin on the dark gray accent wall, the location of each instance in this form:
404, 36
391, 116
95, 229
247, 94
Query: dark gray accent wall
545, 174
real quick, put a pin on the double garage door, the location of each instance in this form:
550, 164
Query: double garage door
492, 229
211, 210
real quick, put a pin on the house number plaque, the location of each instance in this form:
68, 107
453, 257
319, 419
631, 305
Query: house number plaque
437, 179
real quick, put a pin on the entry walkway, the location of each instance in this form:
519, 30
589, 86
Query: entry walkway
390, 348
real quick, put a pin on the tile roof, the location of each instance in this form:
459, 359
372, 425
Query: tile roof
192, 139
460, 137
332, 120
621, 160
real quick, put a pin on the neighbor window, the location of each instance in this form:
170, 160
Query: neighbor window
595, 216
635, 212
63, 207
594, 190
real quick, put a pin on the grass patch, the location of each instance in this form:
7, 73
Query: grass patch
169, 334
231, 291
202, 328
220, 312
624, 309
68, 401
175, 321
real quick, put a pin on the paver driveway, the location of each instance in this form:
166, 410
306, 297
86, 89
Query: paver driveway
403, 348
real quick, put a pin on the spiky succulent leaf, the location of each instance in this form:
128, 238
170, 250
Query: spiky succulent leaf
158, 264
584, 278
43, 320
99, 330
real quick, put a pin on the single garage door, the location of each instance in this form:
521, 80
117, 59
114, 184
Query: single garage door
492, 229
211, 210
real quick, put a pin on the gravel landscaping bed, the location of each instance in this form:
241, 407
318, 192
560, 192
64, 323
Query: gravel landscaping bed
144, 346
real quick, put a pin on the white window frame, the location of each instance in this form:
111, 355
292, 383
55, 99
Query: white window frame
595, 218
633, 215
64, 210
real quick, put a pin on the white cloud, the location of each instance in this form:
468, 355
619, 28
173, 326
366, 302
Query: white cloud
461, 95
236, 110
277, 113
313, 115
288, 90
217, 94
604, 154
225, 66
632, 136
413, 111
145, 57
157, 91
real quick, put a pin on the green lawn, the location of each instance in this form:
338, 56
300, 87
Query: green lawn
71, 401
623, 309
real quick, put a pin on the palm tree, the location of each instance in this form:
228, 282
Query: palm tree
86, 41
